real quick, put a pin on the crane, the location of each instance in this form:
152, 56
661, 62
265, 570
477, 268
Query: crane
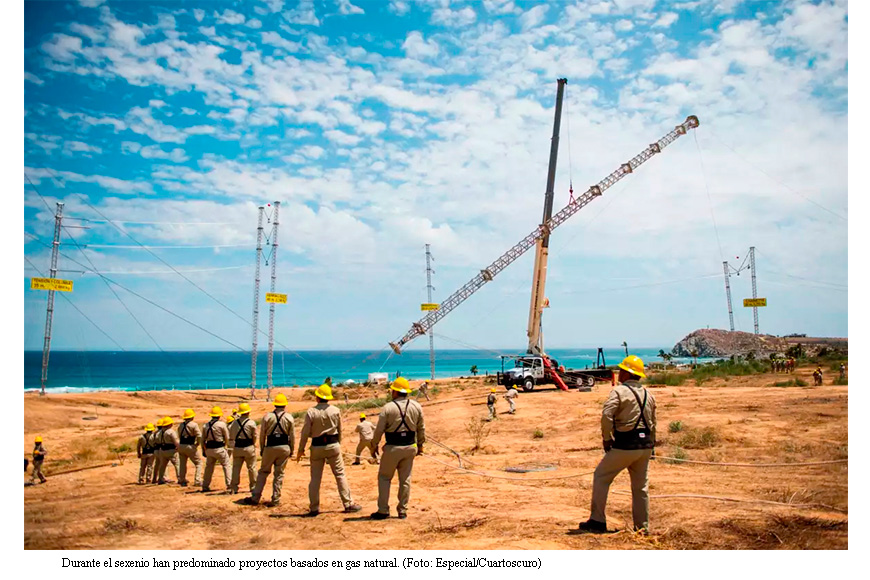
542, 232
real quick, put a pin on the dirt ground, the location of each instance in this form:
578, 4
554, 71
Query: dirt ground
742, 420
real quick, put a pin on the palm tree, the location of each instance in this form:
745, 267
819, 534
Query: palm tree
663, 355
625, 346
694, 355
473, 370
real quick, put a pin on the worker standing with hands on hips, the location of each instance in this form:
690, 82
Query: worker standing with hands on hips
401, 423
189, 439
39, 453
243, 435
323, 425
277, 440
145, 453
628, 430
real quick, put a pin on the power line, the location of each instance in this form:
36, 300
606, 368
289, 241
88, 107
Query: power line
709, 199
152, 247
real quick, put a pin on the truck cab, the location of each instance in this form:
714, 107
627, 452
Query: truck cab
526, 373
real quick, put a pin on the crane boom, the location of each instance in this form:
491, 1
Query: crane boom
487, 274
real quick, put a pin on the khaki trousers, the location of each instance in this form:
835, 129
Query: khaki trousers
213, 456
37, 472
320, 456
146, 467
614, 461
161, 460
513, 406
191, 452
395, 458
244, 456
273, 457
491, 412
362, 446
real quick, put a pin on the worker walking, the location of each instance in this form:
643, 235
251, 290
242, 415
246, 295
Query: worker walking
423, 390
490, 404
511, 396
39, 453
842, 371
189, 440
401, 423
817, 375
167, 451
628, 430
276, 446
243, 434
323, 425
145, 453
366, 431
214, 442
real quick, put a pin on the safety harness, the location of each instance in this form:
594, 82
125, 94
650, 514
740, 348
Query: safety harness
209, 431
281, 438
164, 446
407, 437
637, 438
186, 438
246, 441
148, 448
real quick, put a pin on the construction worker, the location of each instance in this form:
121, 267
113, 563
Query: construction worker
214, 443
628, 430
423, 390
511, 396
817, 375
167, 451
243, 434
842, 371
366, 431
401, 423
276, 446
490, 404
189, 440
323, 425
235, 415
39, 453
145, 453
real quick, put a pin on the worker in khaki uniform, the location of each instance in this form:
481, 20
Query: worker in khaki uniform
366, 431
214, 443
39, 453
401, 423
490, 404
511, 395
323, 425
243, 434
628, 431
423, 390
167, 451
276, 446
189, 440
145, 453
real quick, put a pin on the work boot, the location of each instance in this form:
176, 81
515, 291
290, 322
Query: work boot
250, 501
352, 508
403, 516
273, 503
312, 514
355, 463
593, 526
379, 516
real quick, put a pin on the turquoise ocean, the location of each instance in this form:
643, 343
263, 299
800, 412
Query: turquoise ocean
82, 371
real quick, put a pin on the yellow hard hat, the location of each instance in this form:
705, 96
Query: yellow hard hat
401, 385
362, 415
230, 419
633, 364
167, 421
159, 423
244, 408
38, 439
324, 392
280, 400
215, 412
235, 411
188, 414
149, 427
492, 390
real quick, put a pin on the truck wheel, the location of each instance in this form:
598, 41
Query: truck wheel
528, 384
590, 381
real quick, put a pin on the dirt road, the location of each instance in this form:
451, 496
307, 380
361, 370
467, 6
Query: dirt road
745, 419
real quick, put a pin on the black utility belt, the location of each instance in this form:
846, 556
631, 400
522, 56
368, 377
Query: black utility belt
277, 440
324, 440
240, 443
148, 451
167, 447
214, 444
401, 438
634, 439
188, 440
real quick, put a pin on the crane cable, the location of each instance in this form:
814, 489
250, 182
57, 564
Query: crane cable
709, 199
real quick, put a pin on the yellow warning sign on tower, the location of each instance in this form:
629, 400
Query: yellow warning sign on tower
51, 284
428, 306
276, 298
754, 302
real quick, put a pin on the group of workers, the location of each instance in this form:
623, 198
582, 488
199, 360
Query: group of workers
510, 396
400, 423
782, 365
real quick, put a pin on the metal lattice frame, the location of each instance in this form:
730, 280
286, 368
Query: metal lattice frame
487, 274
728, 293
256, 300
272, 305
49, 308
429, 272
754, 289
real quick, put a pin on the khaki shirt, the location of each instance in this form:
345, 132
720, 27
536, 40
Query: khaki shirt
167, 436
511, 394
269, 423
215, 431
621, 410
390, 419
145, 440
321, 419
39, 452
249, 432
366, 430
190, 428
490, 400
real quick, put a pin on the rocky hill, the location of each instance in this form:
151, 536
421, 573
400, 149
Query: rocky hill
711, 342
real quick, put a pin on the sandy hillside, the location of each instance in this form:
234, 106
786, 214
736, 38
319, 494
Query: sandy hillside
741, 420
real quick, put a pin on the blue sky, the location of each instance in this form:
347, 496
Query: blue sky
383, 126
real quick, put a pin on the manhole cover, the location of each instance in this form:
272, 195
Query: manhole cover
530, 467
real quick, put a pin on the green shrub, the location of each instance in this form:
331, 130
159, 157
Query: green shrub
789, 383
669, 379
675, 427
839, 381
538, 434
366, 403
694, 438
123, 448
676, 453
800, 382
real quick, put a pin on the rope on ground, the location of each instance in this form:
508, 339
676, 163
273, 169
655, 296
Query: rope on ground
722, 464
736, 499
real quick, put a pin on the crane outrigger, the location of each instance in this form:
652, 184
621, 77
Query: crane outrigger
537, 367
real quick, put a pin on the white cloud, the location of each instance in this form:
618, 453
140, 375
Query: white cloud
32, 78
198, 14
500, 6
453, 18
230, 17
416, 47
254, 23
623, 26
302, 14
91, 3
70, 148
399, 7
666, 19
111, 184
533, 16
345, 7
63, 47
188, 111
341, 138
